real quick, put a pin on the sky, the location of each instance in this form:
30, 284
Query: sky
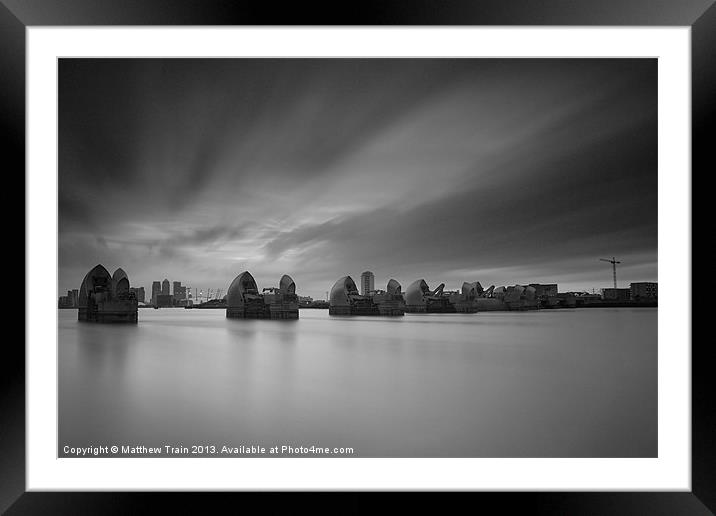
503, 171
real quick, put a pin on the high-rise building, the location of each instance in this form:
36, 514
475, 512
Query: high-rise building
179, 291
367, 283
156, 290
164, 301
165, 287
644, 290
139, 292
70, 300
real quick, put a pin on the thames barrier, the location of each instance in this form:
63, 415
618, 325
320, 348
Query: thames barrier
420, 299
106, 299
346, 300
243, 300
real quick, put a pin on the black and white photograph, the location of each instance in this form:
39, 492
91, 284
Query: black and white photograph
357, 257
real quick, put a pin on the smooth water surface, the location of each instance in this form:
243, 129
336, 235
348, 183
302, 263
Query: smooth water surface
552, 383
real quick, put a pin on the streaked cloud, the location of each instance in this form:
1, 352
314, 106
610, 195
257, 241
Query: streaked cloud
501, 171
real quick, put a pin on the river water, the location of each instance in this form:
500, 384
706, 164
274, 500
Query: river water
552, 383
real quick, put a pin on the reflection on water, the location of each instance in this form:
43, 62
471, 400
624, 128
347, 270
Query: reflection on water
560, 383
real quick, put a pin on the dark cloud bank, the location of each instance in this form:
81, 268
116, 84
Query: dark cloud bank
501, 171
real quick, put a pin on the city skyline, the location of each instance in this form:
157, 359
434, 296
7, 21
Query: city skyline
204, 292
498, 171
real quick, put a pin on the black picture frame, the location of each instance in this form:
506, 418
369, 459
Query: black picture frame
16, 15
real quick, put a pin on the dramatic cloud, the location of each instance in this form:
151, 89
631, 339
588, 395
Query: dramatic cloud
501, 171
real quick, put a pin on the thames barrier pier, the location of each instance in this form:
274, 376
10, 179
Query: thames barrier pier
106, 299
517, 297
390, 301
420, 299
346, 300
243, 300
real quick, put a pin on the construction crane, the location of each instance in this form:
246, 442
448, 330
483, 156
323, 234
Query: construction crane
614, 262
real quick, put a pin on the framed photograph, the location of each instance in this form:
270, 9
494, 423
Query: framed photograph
419, 250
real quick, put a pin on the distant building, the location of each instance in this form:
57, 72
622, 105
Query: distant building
367, 283
139, 292
616, 294
587, 299
644, 290
304, 300
72, 296
545, 290
165, 287
586, 296
156, 290
179, 291
164, 300
70, 300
